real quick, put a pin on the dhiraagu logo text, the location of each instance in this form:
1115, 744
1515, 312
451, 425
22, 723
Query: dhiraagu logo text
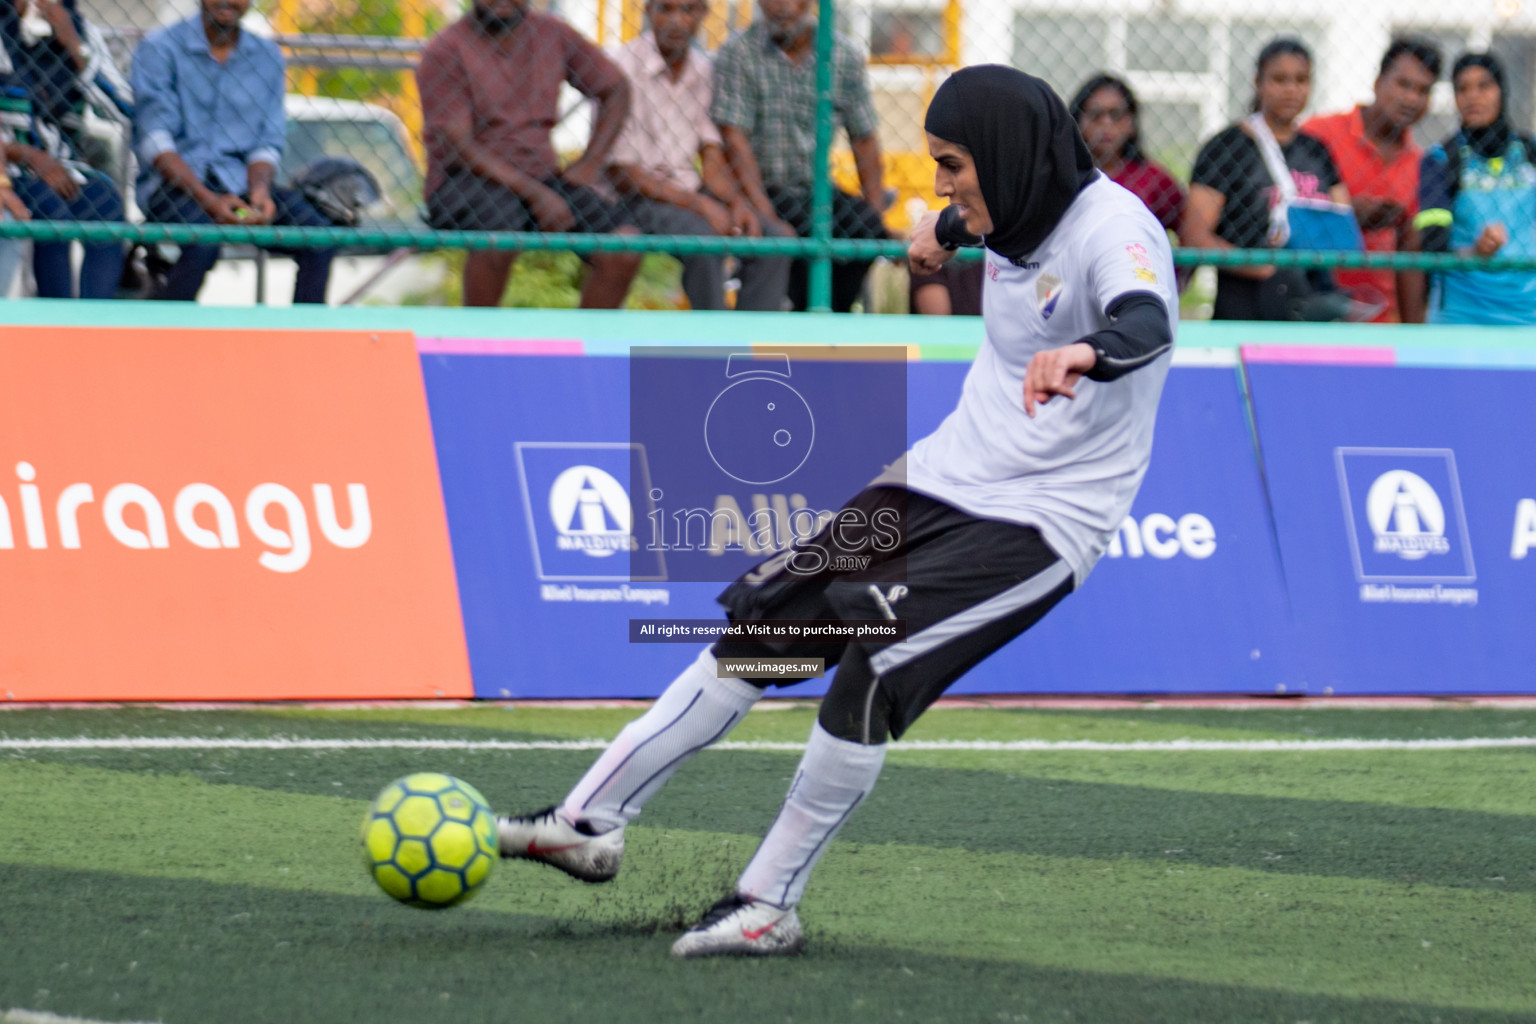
203, 516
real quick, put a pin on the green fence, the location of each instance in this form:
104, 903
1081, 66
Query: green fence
1192, 68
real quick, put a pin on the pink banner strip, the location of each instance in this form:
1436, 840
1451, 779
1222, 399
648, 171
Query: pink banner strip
498, 347
1321, 355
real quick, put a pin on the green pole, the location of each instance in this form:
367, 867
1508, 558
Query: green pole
821, 180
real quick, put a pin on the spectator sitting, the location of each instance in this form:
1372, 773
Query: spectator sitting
1232, 194
1373, 148
43, 56
1477, 191
67, 68
653, 161
765, 105
1106, 112
490, 86
208, 129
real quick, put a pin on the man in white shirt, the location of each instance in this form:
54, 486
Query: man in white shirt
653, 162
999, 514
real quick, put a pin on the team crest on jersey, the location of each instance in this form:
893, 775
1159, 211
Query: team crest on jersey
1047, 291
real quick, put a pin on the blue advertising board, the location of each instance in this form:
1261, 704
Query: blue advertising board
1403, 502
546, 490
1189, 598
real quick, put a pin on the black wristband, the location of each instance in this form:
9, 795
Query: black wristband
950, 230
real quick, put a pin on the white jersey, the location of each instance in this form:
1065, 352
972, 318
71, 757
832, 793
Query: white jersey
1072, 471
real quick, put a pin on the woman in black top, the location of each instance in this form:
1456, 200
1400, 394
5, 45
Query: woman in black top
1231, 191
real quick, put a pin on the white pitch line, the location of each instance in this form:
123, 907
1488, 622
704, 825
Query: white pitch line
20, 1016
1025, 746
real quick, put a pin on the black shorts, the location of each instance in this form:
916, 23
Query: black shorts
965, 586
468, 202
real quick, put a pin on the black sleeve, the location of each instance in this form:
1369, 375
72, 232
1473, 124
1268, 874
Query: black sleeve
950, 230
1437, 198
1138, 333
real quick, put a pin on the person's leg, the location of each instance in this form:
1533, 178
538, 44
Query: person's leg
765, 279
959, 607
703, 276
11, 250
101, 268
610, 273
852, 217
50, 260
465, 202
583, 835
794, 208
314, 264
168, 205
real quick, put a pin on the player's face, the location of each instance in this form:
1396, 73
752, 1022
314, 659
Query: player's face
1402, 92
674, 22
501, 13
1477, 97
1106, 123
1284, 86
225, 13
787, 19
956, 181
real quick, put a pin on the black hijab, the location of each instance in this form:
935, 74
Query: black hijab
1491, 140
1029, 155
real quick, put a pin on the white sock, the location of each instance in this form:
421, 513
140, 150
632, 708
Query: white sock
834, 775
695, 711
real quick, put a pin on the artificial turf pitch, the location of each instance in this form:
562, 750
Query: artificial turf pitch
184, 886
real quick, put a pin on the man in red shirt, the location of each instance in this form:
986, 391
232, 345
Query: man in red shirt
1373, 148
490, 86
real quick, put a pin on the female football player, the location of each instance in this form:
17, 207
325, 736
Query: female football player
1003, 510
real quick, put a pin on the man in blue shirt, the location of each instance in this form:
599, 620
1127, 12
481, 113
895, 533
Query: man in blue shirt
208, 130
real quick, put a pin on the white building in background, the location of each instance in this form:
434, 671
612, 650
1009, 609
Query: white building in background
1190, 61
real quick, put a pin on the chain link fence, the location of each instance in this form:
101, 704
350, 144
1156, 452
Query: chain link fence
135, 129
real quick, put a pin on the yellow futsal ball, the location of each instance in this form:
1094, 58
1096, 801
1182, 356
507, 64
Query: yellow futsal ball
430, 840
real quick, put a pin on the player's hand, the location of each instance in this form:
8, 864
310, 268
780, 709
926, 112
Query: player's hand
11, 203
924, 253
55, 15
583, 172
1375, 212
549, 211
227, 209
786, 229
715, 212
263, 209
1491, 240
54, 174
1056, 371
744, 221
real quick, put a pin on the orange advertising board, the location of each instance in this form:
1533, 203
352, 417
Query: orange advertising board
221, 515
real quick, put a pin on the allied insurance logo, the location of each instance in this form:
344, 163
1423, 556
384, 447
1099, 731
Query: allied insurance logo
1404, 514
581, 514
